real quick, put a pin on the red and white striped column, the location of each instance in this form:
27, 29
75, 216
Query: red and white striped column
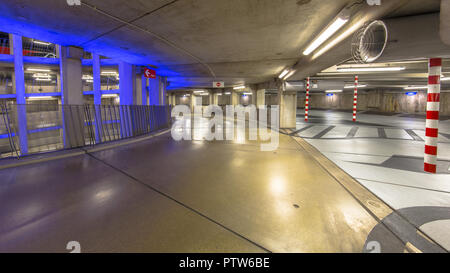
307, 98
355, 98
431, 134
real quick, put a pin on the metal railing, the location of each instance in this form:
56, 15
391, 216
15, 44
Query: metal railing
36, 128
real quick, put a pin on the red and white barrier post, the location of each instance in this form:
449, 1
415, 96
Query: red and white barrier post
355, 98
433, 98
307, 98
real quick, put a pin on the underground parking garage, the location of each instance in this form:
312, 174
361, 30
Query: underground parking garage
242, 127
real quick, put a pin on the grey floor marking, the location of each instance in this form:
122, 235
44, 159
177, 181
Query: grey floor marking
412, 134
301, 130
324, 132
381, 133
352, 132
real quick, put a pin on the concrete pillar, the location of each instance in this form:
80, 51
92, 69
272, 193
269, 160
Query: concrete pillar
153, 91
97, 94
235, 98
97, 80
288, 107
72, 94
19, 87
260, 97
162, 90
141, 89
71, 73
215, 99
126, 83
253, 90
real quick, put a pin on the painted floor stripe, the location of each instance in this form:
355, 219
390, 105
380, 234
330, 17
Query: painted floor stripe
352, 132
324, 132
413, 135
381, 133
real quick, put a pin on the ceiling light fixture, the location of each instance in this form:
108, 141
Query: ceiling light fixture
353, 86
41, 43
38, 70
284, 73
332, 28
334, 91
416, 87
370, 69
239, 87
289, 75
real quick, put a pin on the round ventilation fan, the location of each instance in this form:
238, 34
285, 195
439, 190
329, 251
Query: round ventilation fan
369, 42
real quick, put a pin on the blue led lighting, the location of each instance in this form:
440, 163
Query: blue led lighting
330, 95
411, 93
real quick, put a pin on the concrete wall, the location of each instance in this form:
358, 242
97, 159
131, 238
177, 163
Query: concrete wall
383, 101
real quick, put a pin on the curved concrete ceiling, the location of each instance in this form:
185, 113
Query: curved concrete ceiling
193, 42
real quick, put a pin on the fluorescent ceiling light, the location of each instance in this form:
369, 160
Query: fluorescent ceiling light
370, 69
444, 79
38, 69
248, 93
227, 93
43, 79
87, 77
41, 43
198, 91
108, 73
109, 96
41, 75
326, 34
283, 73
334, 91
353, 86
416, 87
239, 87
289, 75
339, 39
41, 98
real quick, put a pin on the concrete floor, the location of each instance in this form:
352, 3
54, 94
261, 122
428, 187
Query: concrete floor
385, 154
159, 195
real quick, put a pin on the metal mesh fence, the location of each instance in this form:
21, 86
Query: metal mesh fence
37, 128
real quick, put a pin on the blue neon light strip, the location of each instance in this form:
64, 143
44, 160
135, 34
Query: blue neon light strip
38, 130
104, 92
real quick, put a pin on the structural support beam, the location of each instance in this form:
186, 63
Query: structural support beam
126, 83
71, 94
153, 91
288, 107
162, 90
19, 86
260, 98
96, 70
97, 95
432, 122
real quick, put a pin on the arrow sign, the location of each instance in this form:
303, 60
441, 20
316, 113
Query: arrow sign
150, 73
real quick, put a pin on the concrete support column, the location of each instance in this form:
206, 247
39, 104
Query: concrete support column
234, 98
153, 91
288, 107
215, 99
126, 83
96, 79
144, 90
71, 73
97, 94
19, 87
72, 94
253, 90
260, 98
162, 90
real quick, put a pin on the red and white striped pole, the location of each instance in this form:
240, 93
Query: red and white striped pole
307, 98
355, 98
431, 134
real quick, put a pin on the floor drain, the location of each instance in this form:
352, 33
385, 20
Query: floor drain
296, 206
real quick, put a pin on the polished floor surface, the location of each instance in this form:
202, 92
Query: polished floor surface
384, 152
160, 195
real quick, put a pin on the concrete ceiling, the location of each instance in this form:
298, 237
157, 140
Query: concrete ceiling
193, 42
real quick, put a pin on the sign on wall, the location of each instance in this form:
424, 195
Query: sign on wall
150, 73
219, 84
